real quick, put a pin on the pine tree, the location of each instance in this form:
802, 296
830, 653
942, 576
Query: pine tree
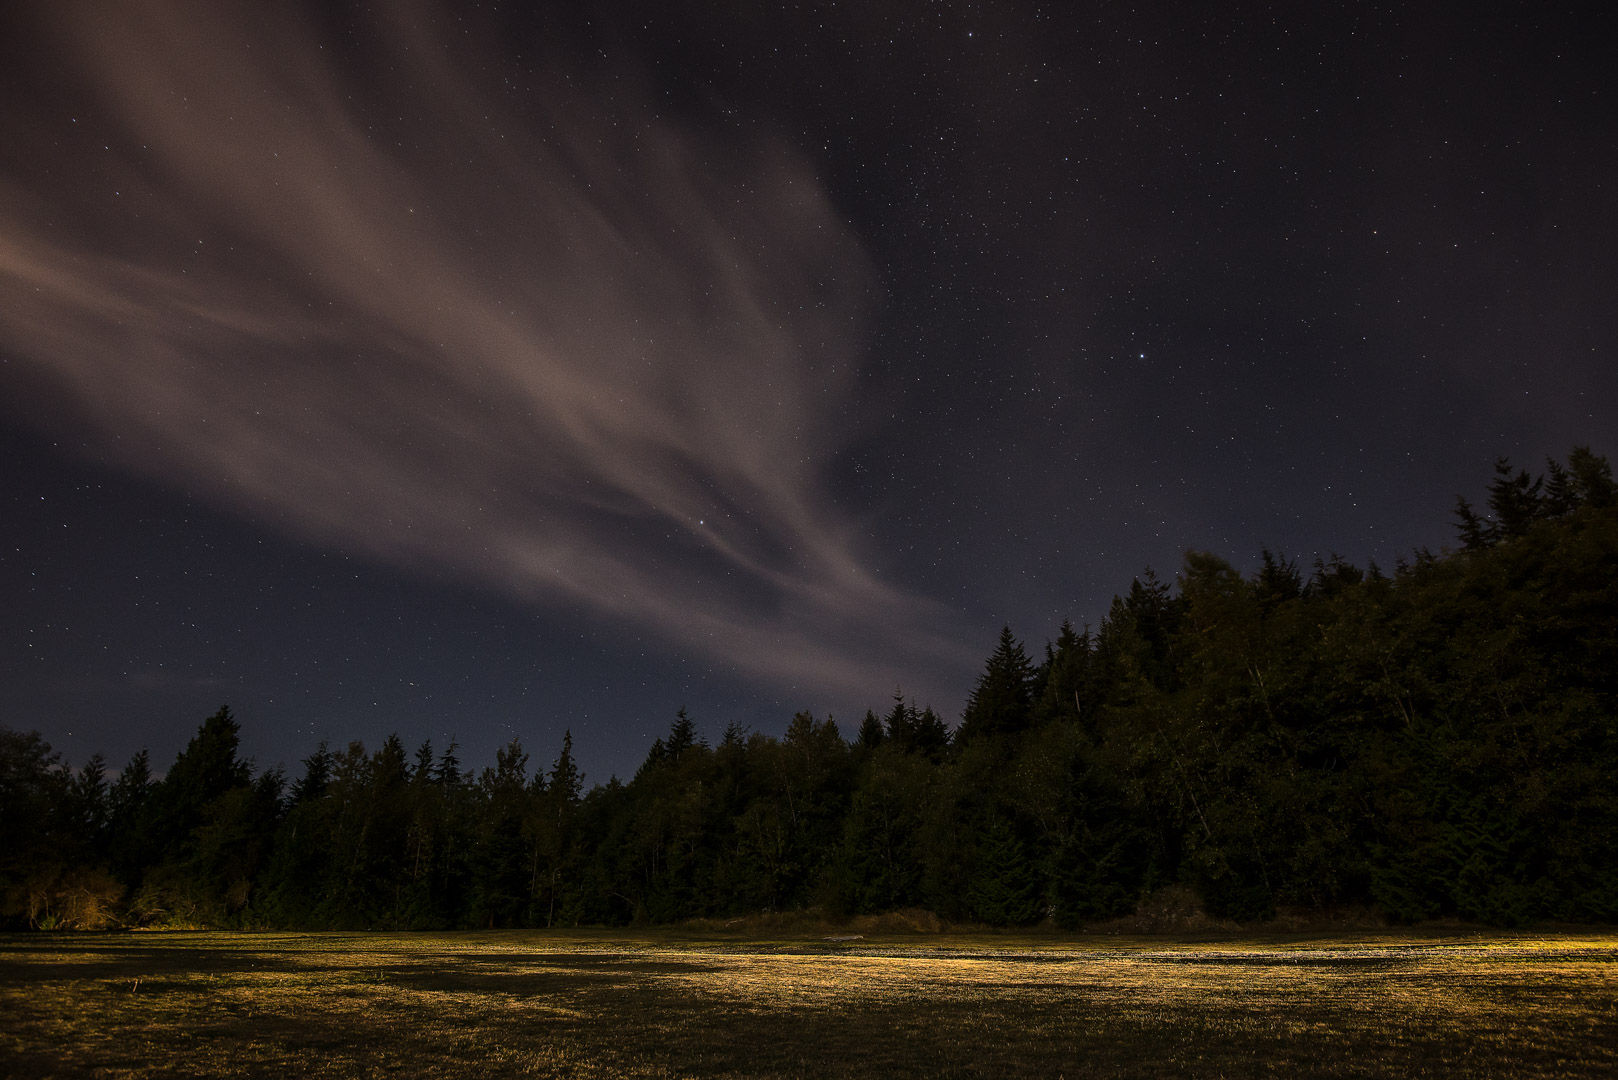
1333, 575
931, 734
423, 770
1004, 888
655, 756
449, 766
1514, 499
871, 734
90, 807
131, 845
551, 839
1001, 702
901, 722
682, 735
1592, 476
567, 783
1561, 490
316, 775
1278, 579
204, 771
1067, 669
1476, 534
501, 867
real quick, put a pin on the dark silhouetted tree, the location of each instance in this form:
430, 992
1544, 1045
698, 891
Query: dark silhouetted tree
1001, 703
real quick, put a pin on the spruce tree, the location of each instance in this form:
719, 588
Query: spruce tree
131, 842
1592, 476
449, 766
316, 775
423, 770
871, 734
1066, 674
1514, 499
566, 783
1004, 887
1001, 702
204, 771
1278, 580
682, 735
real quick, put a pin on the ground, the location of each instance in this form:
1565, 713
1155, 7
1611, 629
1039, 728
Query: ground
638, 1004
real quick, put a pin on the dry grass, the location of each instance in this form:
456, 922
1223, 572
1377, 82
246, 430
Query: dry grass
699, 1003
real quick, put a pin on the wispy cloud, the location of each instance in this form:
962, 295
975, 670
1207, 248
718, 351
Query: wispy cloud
546, 340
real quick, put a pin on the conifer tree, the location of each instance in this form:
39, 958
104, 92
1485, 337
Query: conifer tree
131, 844
1561, 491
871, 734
316, 775
422, 772
1067, 669
204, 771
566, 782
682, 735
655, 756
1004, 887
1514, 500
1001, 702
1278, 580
1592, 477
449, 766
88, 812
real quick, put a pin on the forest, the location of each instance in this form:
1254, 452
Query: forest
1434, 741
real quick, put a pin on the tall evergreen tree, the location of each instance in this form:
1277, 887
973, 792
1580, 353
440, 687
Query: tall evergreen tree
682, 735
1067, 679
1514, 500
203, 772
1001, 703
1004, 886
316, 775
871, 733
1592, 478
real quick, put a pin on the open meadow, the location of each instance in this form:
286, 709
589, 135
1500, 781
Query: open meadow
638, 1004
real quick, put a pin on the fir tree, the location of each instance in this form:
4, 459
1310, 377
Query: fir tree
1277, 580
1001, 702
1514, 500
566, 783
449, 766
134, 783
1004, 888
1592, 477
871, 734
682, 735
204, 771
89, 804
423, 771
1476, 534
316, 775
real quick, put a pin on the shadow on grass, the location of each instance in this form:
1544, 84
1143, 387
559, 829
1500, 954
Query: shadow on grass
596, 1005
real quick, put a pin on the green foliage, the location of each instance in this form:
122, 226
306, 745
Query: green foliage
1438, 743
1002, 702
1004, 889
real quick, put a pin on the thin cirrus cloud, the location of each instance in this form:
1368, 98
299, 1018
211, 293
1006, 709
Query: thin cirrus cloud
567, 350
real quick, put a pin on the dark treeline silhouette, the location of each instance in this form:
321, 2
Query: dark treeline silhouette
1438, 741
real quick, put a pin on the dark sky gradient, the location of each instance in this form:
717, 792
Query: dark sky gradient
498, 373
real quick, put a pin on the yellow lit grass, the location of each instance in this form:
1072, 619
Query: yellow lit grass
604, 1004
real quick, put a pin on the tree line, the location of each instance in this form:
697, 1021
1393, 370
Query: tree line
1438, 740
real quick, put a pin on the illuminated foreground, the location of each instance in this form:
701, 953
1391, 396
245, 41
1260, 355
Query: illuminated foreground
600, 1004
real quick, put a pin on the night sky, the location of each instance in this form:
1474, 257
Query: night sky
471, 370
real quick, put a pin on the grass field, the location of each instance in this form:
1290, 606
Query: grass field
636, 1005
